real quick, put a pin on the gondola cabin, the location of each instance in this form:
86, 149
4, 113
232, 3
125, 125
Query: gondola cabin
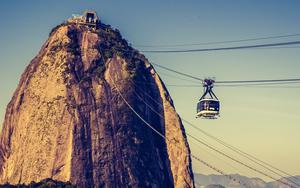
208, 106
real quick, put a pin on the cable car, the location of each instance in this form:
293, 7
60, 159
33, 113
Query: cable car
208, 106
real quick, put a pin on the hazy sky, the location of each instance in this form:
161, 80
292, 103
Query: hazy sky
262, 121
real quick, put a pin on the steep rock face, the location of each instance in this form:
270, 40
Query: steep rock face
70, 118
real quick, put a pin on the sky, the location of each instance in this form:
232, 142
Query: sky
262, 121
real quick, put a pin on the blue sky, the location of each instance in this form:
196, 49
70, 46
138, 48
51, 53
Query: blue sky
262, 121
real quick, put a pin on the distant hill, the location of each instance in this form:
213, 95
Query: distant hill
206, 180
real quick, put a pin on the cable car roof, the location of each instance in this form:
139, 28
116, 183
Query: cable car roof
209, 99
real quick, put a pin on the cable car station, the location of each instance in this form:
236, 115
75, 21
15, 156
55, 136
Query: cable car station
88, 18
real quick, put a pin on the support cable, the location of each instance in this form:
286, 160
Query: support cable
288, 43
230, 147
161, 135
177, 72
229, 81
221, 42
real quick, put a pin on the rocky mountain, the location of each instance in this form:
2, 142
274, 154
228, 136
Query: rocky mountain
209, 180
70, 120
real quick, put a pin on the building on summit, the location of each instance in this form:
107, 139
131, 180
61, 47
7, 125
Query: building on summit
89, 18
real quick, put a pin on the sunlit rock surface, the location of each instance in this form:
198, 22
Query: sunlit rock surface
67, 121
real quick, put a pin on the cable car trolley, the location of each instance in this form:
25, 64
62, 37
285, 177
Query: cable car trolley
208, 106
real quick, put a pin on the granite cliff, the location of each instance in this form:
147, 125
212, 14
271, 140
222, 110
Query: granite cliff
66, 120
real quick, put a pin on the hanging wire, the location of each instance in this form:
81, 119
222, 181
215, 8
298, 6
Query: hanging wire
178, 78
288, 43
220, 42
177, 72
228, 81
258, 81
236, 150
162, 117
166, 139
242, 153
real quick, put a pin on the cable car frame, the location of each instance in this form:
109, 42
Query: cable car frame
208, 108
